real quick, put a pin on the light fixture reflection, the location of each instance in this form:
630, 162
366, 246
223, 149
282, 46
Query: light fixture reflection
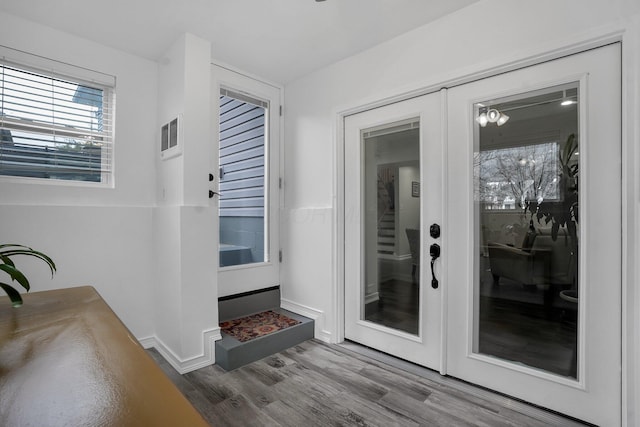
567, 100
491, 115
482, 119
502, 119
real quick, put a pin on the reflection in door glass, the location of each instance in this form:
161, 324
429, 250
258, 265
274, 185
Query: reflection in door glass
526, 214
391, 177
242, 180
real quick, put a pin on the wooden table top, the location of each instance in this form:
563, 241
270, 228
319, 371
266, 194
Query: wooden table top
66, 359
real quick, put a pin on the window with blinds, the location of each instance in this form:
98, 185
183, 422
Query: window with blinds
54, 127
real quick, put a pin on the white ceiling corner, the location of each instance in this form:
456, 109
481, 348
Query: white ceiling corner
278, 40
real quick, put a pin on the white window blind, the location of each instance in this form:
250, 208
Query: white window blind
53, 126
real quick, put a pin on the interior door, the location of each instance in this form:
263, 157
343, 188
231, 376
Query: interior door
245, 176
393, 190
534, 184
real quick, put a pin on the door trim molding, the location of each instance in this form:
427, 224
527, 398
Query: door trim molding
536, 57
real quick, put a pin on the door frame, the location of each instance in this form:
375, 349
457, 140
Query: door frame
225, 77
631, 299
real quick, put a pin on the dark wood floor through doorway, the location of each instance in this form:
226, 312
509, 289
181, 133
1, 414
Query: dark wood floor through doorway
316, 384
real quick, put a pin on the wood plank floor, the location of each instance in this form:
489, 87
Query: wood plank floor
316, 384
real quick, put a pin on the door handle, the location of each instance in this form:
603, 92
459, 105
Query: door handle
434, 251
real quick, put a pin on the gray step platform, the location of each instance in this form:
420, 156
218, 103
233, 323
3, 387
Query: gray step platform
232, 354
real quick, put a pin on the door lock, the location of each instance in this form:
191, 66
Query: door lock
434, 231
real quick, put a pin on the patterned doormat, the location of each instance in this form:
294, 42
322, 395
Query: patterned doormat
256, 325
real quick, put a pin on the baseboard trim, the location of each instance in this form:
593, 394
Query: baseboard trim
394, 257
209, 338
368, 299
318, 317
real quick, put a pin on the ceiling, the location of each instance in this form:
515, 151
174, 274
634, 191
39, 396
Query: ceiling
278, 40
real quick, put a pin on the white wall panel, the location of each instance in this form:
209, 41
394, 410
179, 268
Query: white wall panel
108, 248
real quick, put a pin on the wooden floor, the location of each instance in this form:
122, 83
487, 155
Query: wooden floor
315, 384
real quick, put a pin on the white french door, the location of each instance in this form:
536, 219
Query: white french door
527, 188
534, 189
393, 190
246, 171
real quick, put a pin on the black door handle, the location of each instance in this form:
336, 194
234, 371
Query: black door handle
434, 251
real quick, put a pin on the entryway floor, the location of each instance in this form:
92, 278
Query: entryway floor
316, 384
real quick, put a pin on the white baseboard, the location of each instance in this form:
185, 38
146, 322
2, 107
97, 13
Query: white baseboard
375, 296
208, 356
320, 332
394, 257
148, 342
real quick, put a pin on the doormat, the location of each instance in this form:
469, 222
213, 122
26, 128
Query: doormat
257, 325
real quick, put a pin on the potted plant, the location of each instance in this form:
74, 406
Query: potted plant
564, 211
7, 251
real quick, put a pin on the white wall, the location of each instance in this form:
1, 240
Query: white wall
485, 35
97, 236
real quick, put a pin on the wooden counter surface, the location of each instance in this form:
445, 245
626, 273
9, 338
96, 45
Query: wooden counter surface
67, 360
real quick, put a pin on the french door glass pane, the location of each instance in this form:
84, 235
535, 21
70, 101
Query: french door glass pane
526, 169
242, 180
391, 189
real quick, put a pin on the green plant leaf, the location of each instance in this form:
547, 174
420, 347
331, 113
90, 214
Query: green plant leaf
16, 275
14, 296
29, 252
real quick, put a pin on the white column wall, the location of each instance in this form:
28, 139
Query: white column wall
186, 300
485, 35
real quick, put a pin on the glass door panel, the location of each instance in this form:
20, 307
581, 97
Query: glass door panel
242, 174
526, 175
392, 225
